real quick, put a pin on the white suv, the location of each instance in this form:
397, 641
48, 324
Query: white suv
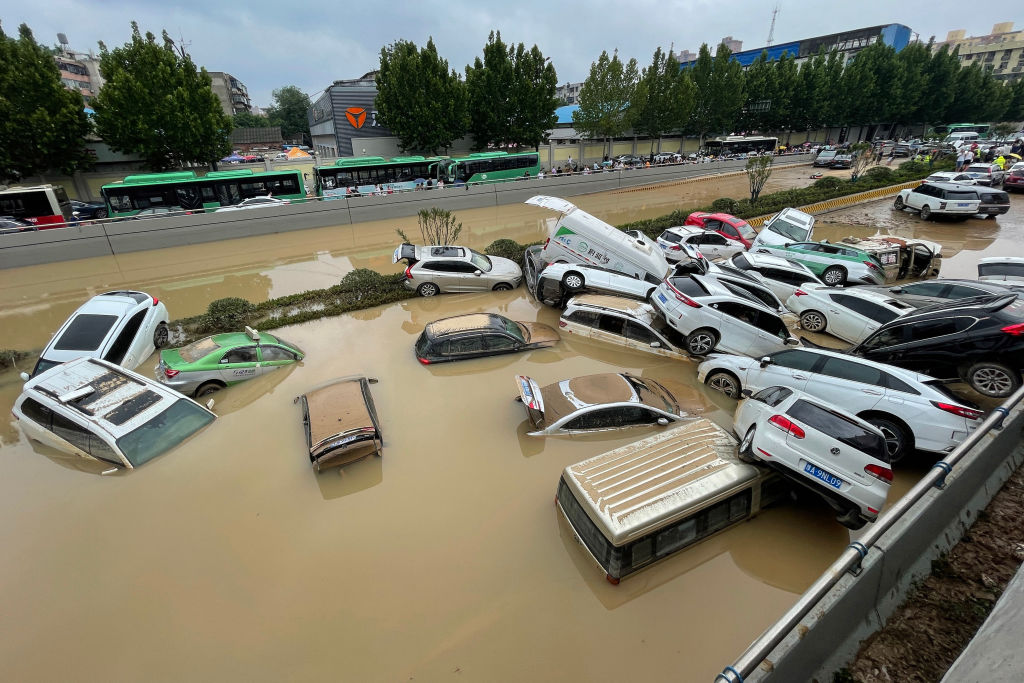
939, 198
911, 409
830, 451
622, 321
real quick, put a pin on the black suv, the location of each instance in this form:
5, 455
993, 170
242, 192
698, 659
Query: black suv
979, 340
993, 202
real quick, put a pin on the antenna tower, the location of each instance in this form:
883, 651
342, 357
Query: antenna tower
771, 31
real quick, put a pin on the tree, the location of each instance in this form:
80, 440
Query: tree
290, 111
658, 97
760, 89
244, 119
606, 96
759, 169
419, 98
42, 124
437, 226
863, 156
906, 107
941, 83
156, 103
535, 84
807, 111
1015, 107
719, 94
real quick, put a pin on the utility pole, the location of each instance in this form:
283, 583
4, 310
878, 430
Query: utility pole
771, 31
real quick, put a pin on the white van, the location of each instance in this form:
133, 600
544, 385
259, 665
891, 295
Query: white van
961, 138
787, 226
578, 237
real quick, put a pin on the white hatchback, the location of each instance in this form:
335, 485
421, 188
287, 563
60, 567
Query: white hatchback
850, 314
710, 243
835, 454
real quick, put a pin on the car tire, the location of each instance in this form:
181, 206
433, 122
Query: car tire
993, 379
898, 204
502, 287
208, 388
573, 281
851, 519
725, 382
746, 449
428, 289
813, 321
161, 336
898, 441
701, 342
834, 276
926, 212
102, 213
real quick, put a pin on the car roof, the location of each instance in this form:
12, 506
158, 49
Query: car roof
883, 298
464, 323
971, 304
955, 186
337, 408
718, 288
774, 261
1003, 259
570, 395
687, 230
114, 399
902, 373
633, 307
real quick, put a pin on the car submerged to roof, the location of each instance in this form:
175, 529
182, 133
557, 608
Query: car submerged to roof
340, 421
98, 410
442, 268
120, 326
478, 335
596, 403
627, 322
220, 361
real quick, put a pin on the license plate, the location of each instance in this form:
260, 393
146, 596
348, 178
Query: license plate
818, 473
662, 299
963, 204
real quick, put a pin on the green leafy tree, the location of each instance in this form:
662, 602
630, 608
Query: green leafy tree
42, 124
156, 103
419, 98
244, 119
657, 101
833, 109
759, 170
1015, 106
290, 111
869, 85
941, 74
605, 98
906, 107
535, 84
807, 111
719, 92
787, 86
761, 92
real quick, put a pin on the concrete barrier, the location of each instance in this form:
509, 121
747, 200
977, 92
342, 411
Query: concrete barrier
104, 238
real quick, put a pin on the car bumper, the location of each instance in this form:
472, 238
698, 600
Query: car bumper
994, 210
184, 386
409, 284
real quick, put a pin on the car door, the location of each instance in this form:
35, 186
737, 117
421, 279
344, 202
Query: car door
465, 347
770, 333
239, 363
273, 357
811, 254
917, 197
854, 386
874, 316
791, 368
737, 327
843, 321
495, 344
610, 328
466, 277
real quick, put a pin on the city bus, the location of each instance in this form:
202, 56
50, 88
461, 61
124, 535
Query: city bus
186, 191
489, 167
740, 144
366, 173
47, 206
982, 129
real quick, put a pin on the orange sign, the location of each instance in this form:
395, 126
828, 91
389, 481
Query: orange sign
356, 116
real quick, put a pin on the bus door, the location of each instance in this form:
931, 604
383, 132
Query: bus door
228, 194
189, 198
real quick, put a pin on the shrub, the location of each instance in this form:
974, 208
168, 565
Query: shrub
878, 173
228, 314
9, 358
724, 205
505, 248
828, 183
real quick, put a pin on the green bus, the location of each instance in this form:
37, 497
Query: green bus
982, 129
364, 174
186, 191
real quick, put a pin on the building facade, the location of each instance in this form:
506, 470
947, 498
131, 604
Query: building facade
569, 93
79, 72
1002, 50
232, 93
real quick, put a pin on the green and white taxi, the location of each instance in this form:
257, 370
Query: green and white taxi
835, 264
213, 363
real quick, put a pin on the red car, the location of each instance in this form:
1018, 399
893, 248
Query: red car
725, 225
1014, 178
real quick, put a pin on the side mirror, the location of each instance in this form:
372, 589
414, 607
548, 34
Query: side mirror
75, 214
477, 273
746, 393
787, 245
209, 404
792, 341
662, 421
655, 344
766, 361
24, 376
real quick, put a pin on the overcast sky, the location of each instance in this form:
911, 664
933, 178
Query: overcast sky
268, 44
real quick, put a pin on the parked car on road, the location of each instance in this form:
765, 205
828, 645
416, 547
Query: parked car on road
850, 314
729, 226
123, 327
986, 174
340, 421
835, 454
450, 268
711, 244
96, 409
10, 225
993, 202
88, 210
220, 361
911, 409
596, 403
939, 199
825, 157
836, 264
931, 292
842, 161
477, 335
157, 212
633, 324
951, 177
1014, 179
255, 203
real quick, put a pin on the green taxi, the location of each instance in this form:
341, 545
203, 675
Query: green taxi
835, 264
213, 363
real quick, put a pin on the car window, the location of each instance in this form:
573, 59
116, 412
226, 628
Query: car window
588, 318
729, 230
772, 324
898, 385
870, 310
963, 291
671, 237
498, 342
713, 238
479, 262
86, 332
71, 432
839, 427
796, 359
772, 396
762, 295
637, 332
611, 324
125, 338
922, 189
898, 334
712, 224
930, 288
688, 286
446, 251
37, 412
465, 345
928, 329
742, 312
243, 354
855, 372
274, 353
786, 276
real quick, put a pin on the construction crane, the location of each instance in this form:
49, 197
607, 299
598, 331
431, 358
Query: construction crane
771, 31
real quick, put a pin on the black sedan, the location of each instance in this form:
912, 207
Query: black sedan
88, 210
479, 334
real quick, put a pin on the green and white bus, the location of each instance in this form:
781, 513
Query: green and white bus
484, 167
186, 191
982, 129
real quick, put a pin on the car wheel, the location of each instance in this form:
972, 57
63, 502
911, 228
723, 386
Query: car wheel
898, 204
208, 388
161, 336
812, 321
746, 450
851, 519
573, 281
102, 213
701, 342
897, 441
502, 287
723, 381
834, 276
926, 212
428, 289
993, 379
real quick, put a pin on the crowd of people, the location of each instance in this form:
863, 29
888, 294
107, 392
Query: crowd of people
993, 154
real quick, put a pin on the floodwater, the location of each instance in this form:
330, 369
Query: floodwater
229, 558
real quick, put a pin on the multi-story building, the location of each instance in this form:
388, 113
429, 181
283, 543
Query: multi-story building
232, 93
568, 93
79, 71
1002, 50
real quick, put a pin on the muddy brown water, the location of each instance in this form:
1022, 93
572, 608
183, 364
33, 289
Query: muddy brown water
229, 558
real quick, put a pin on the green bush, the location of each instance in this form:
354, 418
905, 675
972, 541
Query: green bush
9, 358
724, 205
228, 314
878, 173
914, 169
505, 248
828, 183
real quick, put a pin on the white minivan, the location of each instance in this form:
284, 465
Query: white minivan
578, 237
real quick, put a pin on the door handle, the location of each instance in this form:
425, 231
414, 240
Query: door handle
871, 392
799, 377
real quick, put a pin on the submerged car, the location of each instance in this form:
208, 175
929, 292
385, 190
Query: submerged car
901, 257
222, 360
617, 320
122, 326
726, 225
835, 264
96, 409
834, 453
596, 403
552, 284
450, 268
340, 422
477, 335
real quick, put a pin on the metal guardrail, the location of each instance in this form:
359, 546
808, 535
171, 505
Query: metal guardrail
851, 558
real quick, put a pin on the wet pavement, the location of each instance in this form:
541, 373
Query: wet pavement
229, 558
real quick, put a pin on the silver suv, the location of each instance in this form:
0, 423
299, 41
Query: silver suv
451, 268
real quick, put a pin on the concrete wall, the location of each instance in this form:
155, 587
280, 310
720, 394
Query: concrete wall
116, 237
829, 637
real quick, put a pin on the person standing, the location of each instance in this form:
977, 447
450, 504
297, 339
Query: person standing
960, 159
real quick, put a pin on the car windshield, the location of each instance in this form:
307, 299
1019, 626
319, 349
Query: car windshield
43, 365
1013, 269
787, 229
199, 349
745, 230
516, 330
480, 261
85, 333
653, 394
165, 431
741, 262
671, 237
287, 343
961, 196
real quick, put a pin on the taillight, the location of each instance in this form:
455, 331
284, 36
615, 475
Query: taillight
424, 361
880, 473
871, 265
155, 301
1016, 329
969, 413
682, 297
169, 372
676, 247
787, 425
545, 244
408, 273
562, 323
799, 292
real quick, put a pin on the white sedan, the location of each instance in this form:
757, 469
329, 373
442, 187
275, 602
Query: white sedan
711, 244
850, 314
256, 203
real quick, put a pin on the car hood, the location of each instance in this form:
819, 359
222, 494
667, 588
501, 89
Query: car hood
504, 267
541, 334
